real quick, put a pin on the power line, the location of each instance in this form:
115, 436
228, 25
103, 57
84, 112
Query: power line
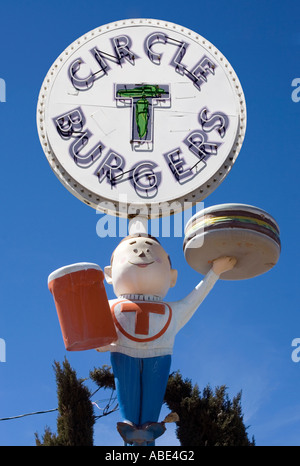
28, 414
106, 410
56, 409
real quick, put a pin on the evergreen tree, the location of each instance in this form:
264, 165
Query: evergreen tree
103, 377
76, 416
210, 419
207, 419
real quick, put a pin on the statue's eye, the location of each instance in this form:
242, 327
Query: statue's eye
147, 250
135, 250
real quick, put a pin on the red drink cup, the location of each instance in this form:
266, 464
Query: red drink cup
82, 306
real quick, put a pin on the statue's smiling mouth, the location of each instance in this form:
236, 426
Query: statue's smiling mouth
142, 264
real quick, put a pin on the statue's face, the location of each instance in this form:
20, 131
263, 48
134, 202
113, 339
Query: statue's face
140, 266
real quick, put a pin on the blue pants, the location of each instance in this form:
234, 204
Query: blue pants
141, 385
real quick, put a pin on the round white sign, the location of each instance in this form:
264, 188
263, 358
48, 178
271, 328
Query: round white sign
141, 116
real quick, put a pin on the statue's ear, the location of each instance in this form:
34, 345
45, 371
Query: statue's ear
174, 274
107, 274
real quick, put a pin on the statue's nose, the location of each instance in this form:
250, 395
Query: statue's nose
142, 254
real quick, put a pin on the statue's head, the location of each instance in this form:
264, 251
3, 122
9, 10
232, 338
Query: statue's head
140, 265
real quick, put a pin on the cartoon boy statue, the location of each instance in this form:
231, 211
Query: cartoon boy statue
146, 325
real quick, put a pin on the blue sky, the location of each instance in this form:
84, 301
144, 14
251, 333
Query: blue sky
242, 334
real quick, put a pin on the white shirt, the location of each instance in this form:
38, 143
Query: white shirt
146, 325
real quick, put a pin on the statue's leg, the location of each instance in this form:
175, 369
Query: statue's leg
127, 376
141, 385
154, 382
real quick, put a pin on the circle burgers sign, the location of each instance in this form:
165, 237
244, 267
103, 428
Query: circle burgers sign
143, 113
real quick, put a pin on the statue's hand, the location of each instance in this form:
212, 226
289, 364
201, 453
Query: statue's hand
223, 264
